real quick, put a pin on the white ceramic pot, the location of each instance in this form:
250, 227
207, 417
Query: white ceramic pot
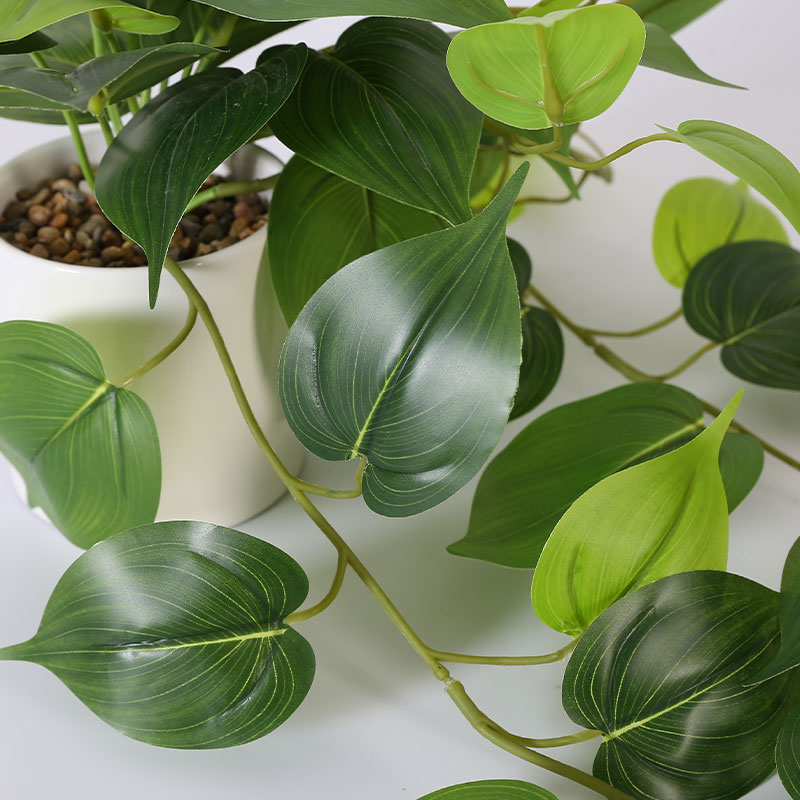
212, 469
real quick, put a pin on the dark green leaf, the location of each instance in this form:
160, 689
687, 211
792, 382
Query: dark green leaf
662, 52
40, 116
28, 44
527, 488
787, 754
87, 450
747, 297
453, 12
380, 110
542, 356
409, 357
491, 790
145, 181
74, 37
173, 633
660, 674
741, 460
319, 222
672, 15
521, 261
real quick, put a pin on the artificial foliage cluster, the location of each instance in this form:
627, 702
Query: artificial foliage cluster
415, 334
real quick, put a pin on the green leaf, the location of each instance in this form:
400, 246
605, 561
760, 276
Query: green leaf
116, 75
651, 520
741, 461
173, 633
593, 52
702, 214
672, 15
527, 488
28, 44
19, 18
486, 174
74, 38
311, 206
521, 261
542, 357
547, 6
138, 185
787, 753
380, 110
453, 12
660, 674
491, 790
753, 160
87, 450
747, 297
40, 116
663, 53
409, 357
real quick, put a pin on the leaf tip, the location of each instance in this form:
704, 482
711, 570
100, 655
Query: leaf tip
507, 196
717, 429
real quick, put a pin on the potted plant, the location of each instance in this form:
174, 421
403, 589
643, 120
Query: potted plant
415, 333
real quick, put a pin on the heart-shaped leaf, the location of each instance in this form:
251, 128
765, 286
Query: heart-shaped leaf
19, 18
702, 214
542, 357
660, 674
663, 53
672, 15
117, 75
145, 181
757, 163
527, 488
491, 790
741, 461
521, 261
88, 451
173, 633
546, 6
311, 206
28, 44
747, 297
787, 753
380, 110
665, 516
453, 12
409, 357
589, 56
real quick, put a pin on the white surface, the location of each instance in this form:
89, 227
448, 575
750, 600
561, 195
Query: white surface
376, 724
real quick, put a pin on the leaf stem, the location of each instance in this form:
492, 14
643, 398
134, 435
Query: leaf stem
554, 741
654, 326
603, 162
230, 189
683, 366
106, 128
506, 661
80, 147
337, 494
336, 585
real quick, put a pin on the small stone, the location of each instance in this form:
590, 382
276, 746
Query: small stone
75, 173
20, 238
245, 234
39, 215
209, 218
116, 263
237, 226
243, 211
48, 234
97, 235
190, 227
11, 226
175, 253
110, 237
111, 253
84, 187
76, 199
40, 250
61, 184
211, 232
59, 220
26, 227
58, 203
23, 194
73, 257
69, 236
259, 223
82, 238
59, 247
42, 196
203, 249
15, 210
95, 221
93, 262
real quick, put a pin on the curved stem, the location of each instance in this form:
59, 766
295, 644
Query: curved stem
684, 365
164, 353
554, 741
654, 326
603, 162
506, 661
338, 494
336, 585
231, 189
541, 149
556, 200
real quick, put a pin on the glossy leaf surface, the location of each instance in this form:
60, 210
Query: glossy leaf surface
173, 634
88, 451
20, 18
747, 297
660, 674
757, 163
454, 12
319, 222
381, 111
701, 214
787, 753
593, 53
651, 520
547, 6
542, 357
672, 15
415, 351
663, 53
145, 182
117, 75
527, 487
491, 790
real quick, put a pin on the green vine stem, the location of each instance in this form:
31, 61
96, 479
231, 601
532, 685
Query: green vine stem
455, 690
506, 661
336, 585
555, 741
108, 135
654, 326
337, 494
623, 151
230, 189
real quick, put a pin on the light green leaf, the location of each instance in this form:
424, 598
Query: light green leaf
491, 790
453, 12
174, 634
138, 186
672, 15
546, 6
660, 673
663, 53
753, 160
380, 110
409, 357
20, 18
665, 516
318, 222
746, 296
592, 52
88, 451
702, 214
787, 753
527, 488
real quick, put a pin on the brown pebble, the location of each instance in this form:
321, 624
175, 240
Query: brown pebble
73, 257
111, 253
26, 227
128, 245
237, 226
84, 187
41, 196
39, 215
259, 223
243, 211
58, 203
75, 222
111, 237
20, 238
15, 210
59, 220
203, 249
209, 218
40, 250
23, 194
69, 236
82, 237
48, 234
62, 183
95, 221
75, 173
93, 262
210, 233
245, 234
59, 247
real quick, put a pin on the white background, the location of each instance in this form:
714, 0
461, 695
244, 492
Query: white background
376, 724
